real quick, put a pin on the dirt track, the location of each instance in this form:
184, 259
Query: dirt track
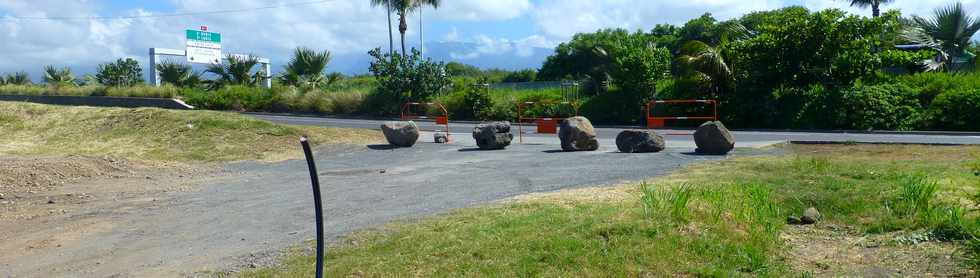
174, 224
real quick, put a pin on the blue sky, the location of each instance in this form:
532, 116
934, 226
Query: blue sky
483, 32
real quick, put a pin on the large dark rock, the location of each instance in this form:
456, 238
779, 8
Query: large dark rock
401, 134
640, 141
493, 136
713, 138
577, 134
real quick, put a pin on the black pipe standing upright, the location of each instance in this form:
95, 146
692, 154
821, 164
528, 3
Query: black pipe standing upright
316, 202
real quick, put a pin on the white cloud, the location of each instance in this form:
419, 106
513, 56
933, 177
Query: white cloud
453, 34
481, 10
343, 27
486, 45
561, 19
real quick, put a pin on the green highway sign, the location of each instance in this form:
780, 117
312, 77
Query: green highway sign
195, 35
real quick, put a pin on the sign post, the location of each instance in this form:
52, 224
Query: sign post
203, 47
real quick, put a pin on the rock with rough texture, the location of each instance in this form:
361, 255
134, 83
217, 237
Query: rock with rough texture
713, 138
440, 137
493, 136
810, 216
401, 134
640, 141
577, 134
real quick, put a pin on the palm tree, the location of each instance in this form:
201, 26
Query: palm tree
55, 76
306, 68
948, 32
238, 71
706, 62
403, 7
391, 38
17, 78
874, 4
177, 74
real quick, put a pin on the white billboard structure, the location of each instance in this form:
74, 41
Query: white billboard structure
202, 47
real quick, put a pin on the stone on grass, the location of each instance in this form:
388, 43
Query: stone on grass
577, 134
493, 136
640, 141
714, 139
810, 216
401, 134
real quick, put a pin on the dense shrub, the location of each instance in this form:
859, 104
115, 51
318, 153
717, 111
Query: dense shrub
403, 78
525, 75
956, 110
236, 97
468, 104
123, 72
794, 48
888, 106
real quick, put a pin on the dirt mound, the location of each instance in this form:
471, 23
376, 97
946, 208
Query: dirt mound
23, 174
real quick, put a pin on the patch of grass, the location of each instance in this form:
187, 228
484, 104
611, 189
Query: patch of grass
718, 219
156, 134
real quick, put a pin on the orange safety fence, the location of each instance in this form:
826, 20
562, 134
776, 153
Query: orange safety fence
660, 121
545, 125
421, 112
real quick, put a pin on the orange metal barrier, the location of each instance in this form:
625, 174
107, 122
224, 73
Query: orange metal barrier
659, 122
408, 114
546, 125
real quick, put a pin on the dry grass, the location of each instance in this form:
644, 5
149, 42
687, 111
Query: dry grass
157, 134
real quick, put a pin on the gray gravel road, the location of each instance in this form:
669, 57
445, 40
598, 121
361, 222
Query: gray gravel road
268, 207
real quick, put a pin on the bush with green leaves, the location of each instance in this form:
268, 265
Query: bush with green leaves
122, 72
177, 74
956, 110
885, 106
525, 75
59, 76
405, 78
17, 78
236, 71
796, 48
306, 69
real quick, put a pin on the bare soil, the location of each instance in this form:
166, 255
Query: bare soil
835, 251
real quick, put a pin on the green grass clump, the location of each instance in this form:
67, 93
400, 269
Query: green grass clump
156, 134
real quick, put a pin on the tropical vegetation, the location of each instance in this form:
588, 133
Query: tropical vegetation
784, 68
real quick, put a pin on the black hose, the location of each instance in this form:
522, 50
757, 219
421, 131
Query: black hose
316, 202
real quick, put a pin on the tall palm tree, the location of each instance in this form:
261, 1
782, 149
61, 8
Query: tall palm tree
238, 71
874, 4
707, 62
306, 68
391, 38
403, 7
948, 31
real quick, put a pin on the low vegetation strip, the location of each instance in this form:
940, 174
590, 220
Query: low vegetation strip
907, 210
156, 134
